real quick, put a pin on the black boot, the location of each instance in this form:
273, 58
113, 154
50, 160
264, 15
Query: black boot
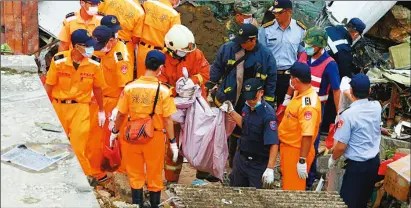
137, 197
155, 199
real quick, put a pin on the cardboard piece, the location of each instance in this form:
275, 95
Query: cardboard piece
397, 179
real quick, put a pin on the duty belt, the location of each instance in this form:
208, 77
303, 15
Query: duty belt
282, 72
150, 46
65, 101
253, 157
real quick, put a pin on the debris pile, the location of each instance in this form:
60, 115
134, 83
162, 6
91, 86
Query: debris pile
185, 195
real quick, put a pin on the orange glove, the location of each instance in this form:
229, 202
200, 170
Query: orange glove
329, 141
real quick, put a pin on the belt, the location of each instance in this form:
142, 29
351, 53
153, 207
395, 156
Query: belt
253, 157
124, 41
65, 101
283, 72
150, 46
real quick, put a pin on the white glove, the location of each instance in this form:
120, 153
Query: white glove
112, 118
113, 136
287, 100
302, 170
230, 107
187, 93
174, 149
101, 118
268, 177
345, 84
331, 162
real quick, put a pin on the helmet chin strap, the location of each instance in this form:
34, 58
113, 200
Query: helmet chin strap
174, 55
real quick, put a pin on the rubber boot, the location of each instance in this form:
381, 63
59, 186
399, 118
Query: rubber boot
155, 199
137, 197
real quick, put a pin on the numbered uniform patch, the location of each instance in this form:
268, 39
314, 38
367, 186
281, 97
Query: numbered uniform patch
308, 115
340, 124
124, 69
273, 125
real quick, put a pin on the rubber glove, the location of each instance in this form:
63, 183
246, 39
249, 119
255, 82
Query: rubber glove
112, 118
268, 178
101, 118
282, 107
302, 170
331, 162
174, 149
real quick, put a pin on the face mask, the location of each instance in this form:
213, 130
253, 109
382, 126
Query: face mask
291, 85
116, 35
88, 52
309, 51
248, 20
92, 11
256, 105
181, 53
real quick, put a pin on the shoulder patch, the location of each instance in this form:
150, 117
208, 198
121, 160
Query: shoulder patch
70, 14
101, 14
301, 25
306, 101
95, 58
273, 125
268, 24
58, 57
119, 56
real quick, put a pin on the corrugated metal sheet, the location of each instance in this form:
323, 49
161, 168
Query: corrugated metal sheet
52, 14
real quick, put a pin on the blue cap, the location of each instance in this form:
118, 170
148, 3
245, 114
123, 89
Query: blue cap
357, 25
279, 5
111, 22
154, 59
360, 83
301, 71
94, 1
251, 87
246, 32
82, 36
102, 34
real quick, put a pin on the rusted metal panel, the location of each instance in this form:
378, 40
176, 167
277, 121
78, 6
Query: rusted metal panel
30, 26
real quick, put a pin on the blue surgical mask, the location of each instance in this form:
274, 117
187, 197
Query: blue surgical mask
256, 105
88, 52
309, 51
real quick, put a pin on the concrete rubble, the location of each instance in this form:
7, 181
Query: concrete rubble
19, 63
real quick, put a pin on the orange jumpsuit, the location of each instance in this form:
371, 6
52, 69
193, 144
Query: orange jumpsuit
131, 17
160, 17
74, 87
199, 71
73, 22
116, 68
137, 101
302, 117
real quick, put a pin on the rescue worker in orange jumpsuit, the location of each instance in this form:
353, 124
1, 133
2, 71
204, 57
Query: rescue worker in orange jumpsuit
71, 79
182, 55
298, 129
87, 18
116, 68
138, 100
131, 17
159, 18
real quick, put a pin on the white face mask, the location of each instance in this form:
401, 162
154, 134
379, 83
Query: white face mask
181, 53
248, 20
291, 85
92, 10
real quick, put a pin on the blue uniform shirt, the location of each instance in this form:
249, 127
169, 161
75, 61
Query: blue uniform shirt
359, 128
330, 76
283, 44
259, 128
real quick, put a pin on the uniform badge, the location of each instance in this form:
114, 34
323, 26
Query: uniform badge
340, 124
113, 20
307, 101
307, 115
119, 56
124, 69
240, 32
247, 88
273, 125
243, 114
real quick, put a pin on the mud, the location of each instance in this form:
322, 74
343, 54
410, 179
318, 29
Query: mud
208, 32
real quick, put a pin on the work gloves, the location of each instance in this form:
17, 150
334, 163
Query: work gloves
302, 170
101, 118
331, 162
220, 97
185, 86
282, 107
112, 118
210, 85
227, 107
174, 149
268, 178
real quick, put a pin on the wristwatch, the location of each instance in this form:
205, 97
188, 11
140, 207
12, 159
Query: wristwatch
173, 140
115, 132
301, 160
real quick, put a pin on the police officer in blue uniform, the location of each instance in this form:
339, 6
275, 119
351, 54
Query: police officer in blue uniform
340, 39
255, 158
358, 137
283, 36
244, 51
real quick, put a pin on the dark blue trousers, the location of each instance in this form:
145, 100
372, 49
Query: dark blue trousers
313, 170
246, 173
358, 182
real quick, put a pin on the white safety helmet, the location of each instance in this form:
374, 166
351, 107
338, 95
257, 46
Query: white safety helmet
180, 38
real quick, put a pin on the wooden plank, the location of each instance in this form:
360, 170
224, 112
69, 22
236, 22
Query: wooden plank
8, 22
30, 25
17, 35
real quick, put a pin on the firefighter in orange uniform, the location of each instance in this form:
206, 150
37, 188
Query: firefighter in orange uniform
87, 18
131, 17
182, 55
144, 99
159, 18
71, 79
298, 129
116, 69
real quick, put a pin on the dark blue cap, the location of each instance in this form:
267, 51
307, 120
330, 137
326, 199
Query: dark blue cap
94, 1
357, 25
82, 36
251, 87
246, 32
102, 34
154, 59
301, 71
360, 83
279, 5
111, 22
